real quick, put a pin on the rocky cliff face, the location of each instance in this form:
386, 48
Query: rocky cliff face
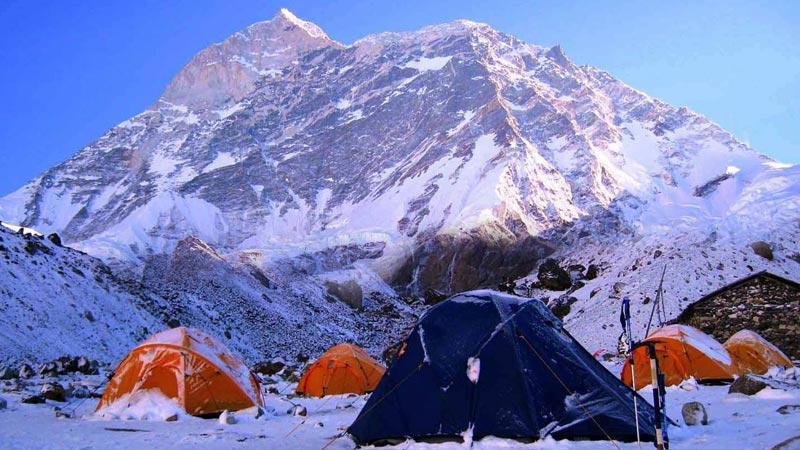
463, 153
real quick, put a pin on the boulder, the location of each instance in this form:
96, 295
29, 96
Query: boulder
793, 443
591, 272
297, 410
788, 409
3, 403
33, 399
227, 418
53, 391
48, 369
172, 418
694, 413
747, 385
348, 292
25, 371
7, 373
269, 368
562, 305
55, 239
434, 296
80, 391
762, 249
83, 365
551, 276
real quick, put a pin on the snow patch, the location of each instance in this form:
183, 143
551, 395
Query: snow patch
428, 64
473, 369
147, 404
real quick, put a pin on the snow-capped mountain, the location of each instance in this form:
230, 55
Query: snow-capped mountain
462, 153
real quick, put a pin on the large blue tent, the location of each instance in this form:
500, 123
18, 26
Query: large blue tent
484, 363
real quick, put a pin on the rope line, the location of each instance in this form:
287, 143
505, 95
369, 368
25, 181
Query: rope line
586, 411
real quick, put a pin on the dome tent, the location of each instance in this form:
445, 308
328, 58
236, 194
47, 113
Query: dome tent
191, 368
683, 352
485, 363
752, 353
343, 369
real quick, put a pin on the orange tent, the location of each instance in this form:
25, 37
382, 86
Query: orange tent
752, 353
343, 369
682, 352
190, 367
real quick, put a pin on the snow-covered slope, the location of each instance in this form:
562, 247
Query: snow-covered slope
463, 153
56, 301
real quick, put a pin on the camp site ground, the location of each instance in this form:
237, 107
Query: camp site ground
736, 422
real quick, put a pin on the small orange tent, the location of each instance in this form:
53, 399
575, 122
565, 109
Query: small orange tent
682, 352
343, 369
752, 353
190, 367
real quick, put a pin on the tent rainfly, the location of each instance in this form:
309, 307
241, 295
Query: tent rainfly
485, 363
190, 367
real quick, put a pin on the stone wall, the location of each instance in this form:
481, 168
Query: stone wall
764, 304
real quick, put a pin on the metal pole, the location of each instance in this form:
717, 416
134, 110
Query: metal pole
626, 315
651, 350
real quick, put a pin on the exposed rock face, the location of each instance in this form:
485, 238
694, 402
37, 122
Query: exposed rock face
349, 292
229, 70
765, 303
449, 264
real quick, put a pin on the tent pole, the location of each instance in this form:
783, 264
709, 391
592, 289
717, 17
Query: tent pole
625, 319
655, 380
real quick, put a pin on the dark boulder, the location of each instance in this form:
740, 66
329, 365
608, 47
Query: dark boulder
25, 371
747, 385
7, 373
788, 409
269, 368
55, 239
562, 305
762, 249
53, 391
33, 399
592, 272
551, 276
434, 296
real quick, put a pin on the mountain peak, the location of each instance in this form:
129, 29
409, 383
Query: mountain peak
285, 16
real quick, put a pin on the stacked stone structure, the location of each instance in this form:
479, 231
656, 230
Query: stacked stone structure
763, 302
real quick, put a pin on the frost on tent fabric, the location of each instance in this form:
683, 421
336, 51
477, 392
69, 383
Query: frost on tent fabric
493, 364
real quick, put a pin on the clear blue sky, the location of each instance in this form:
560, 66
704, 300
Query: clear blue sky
73, 69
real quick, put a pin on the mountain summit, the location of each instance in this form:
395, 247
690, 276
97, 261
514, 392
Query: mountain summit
460, 153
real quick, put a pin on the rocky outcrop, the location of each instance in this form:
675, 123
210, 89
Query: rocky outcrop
348, 292
448, 264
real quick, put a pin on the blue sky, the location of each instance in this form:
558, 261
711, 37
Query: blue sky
73, 69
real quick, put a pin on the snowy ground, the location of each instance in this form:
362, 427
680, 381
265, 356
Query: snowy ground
736, 422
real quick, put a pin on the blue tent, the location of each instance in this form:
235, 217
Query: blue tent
491, 364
